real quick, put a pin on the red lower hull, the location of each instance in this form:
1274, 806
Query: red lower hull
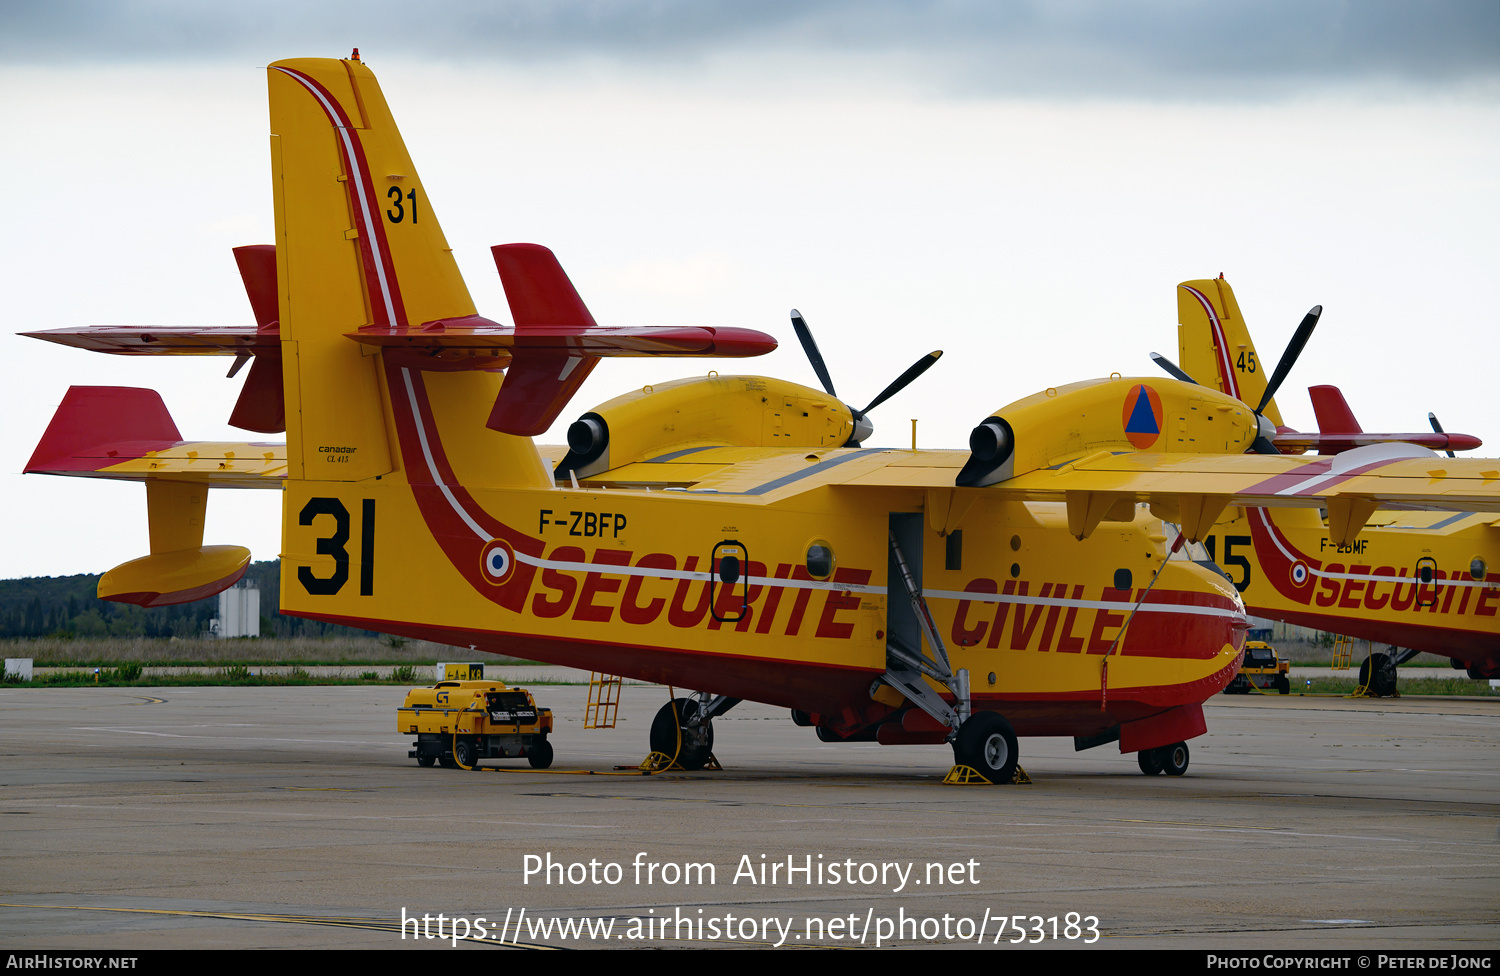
827, 690
1476, 649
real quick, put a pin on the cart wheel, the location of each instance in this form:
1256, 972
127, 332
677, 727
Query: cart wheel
1283, 684
446, 761
539, 754
465, 752
1150, 759
1174, 759
425, 760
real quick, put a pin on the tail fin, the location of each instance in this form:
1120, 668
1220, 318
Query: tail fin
357, 244
1332, 411
1213, 343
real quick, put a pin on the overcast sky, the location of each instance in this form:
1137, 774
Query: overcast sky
1020, 184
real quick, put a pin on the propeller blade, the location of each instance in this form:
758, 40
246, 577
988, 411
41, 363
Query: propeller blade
1172, 368
1437, 428
804, 335
1289, 358
916, 369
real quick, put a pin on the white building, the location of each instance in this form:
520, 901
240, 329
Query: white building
239, 612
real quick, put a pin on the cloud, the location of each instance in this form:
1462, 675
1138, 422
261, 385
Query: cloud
1087, 48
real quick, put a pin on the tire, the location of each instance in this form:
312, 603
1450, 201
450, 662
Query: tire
1283, 684
1174, 758
670, 734
465, 752
446, 761
539, 754
1149, 761
426, 760
987, 743
1378, 673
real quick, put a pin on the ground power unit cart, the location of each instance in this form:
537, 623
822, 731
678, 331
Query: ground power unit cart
459, 723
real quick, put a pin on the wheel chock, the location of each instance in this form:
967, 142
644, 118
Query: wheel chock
961, 775
656, 762
660, 762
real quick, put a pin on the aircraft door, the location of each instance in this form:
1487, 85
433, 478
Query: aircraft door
728, 582
1426, 582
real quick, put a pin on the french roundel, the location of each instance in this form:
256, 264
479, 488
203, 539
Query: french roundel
1142, 416
1298, 572
498, 561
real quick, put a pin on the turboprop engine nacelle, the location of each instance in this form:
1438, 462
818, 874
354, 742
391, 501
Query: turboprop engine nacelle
704, 411
1117, 415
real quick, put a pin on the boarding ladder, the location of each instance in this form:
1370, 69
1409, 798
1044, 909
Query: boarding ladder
604, 701
1343, 652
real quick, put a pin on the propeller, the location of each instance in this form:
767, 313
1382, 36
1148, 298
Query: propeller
862, 427
1437, 428
1263, 443
1172, 368
1265, 429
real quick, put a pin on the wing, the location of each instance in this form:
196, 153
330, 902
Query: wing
1191, 489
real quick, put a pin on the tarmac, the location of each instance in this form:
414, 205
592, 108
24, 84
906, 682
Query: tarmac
233, 818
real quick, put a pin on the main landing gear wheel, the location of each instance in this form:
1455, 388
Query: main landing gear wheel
987, 743
689, 746
539, 754
1378, 674
464, 752
1174, 759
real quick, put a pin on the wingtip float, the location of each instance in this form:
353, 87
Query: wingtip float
725, 533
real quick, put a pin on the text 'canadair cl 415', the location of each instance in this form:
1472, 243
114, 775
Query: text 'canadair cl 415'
723, 533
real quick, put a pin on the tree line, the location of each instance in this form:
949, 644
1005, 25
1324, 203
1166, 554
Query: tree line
67, 606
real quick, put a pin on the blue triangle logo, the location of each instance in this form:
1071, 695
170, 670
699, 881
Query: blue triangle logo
1142, 420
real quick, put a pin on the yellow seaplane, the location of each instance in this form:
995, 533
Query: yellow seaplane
729, 534
1415, 580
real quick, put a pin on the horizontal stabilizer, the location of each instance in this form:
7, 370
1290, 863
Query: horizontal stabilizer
164, 340
1339, 431
475, 342
1295, 440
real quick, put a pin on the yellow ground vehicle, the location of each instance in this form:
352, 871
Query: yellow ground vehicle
458, 723
1263, 668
